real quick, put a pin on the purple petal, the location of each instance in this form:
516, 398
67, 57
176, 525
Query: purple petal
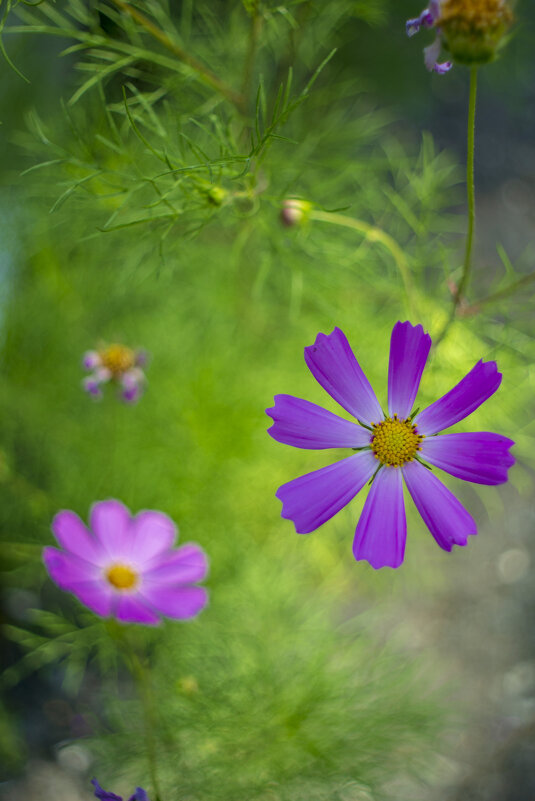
184, 565
443, 68
72, 535
431, 56
133, 609
444, 515
425, 20
382, 528
139, 795
91, 360
92, 386
150, 534
480, 457
131, 394
180, 603
81, 578
332, 363
476, 387
312, 499
111, 524
102, 794
304, 425
409, 348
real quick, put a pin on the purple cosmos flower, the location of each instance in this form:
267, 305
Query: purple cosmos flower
104, 795
428, 19
126, 566
388, 447
118, 363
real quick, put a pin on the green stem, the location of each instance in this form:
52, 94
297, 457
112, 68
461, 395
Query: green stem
470, 194
374, 234
145, 691
254, 35
501, 294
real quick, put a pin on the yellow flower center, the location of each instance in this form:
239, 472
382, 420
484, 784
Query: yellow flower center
117, 358
395, 441
121, 577
470, 16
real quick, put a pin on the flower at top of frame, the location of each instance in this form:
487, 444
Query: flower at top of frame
470, 30
390, 447
127, 567
104, 795
116, 363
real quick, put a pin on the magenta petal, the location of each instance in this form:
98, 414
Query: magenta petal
184, 565
72, 535
382, 529
476, 387
180, 603
409, 348
480, 457
444, 515
110, 522
304, 425
332, 363
79, 577
133, 609
312, 499
150, 534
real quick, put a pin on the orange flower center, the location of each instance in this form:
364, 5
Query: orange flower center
117, 358
475, 15
395, 441
121, 577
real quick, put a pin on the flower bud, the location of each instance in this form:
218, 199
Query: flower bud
294, 211
472, 30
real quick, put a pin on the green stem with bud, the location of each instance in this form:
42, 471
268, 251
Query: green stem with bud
470, 195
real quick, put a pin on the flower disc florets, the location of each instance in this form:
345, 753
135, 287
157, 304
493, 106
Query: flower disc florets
117, 358
472, 29
395, 441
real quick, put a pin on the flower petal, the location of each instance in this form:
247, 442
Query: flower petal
382, 529
431, 56
312, 499
103, 795
480, 457
304, 425
476, 387
133, 609
151, 533
180, 603
80, 578
409, 349
139, 795
184, 565
425, 20
444, 515
72, 535
111, 524
332, 363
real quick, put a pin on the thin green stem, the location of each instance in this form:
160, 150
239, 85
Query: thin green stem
501, 294
207, 75
374, 234
254, 36
470, 195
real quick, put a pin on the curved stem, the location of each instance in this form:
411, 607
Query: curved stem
374, 234
470, 194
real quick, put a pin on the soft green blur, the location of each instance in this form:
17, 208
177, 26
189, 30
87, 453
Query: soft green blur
290, 685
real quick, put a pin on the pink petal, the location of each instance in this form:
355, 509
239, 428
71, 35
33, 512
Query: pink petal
111, 524
183, 565
81, 578
72, 535
382, 529
304, 425
133, 609
316, 497
480, 457
180, 603
150, 534
476, 387
409, 348
444, 515
332, 363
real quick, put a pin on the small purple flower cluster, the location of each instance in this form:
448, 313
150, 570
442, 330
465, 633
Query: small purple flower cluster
115, 363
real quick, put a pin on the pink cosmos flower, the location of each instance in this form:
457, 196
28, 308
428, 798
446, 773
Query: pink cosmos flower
126, 567
388, 447
106, 795
115, 363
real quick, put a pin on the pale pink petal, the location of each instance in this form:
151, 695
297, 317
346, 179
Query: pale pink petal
132, 608
180, 603
72, 535
150, 534
184, 565
111, 524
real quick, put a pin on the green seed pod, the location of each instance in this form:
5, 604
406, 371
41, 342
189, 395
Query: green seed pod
472, 30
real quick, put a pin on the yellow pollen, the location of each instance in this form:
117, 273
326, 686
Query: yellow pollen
117, 358
121, 577
470, 16
395, 441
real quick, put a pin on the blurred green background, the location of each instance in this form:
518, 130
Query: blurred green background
309, 675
